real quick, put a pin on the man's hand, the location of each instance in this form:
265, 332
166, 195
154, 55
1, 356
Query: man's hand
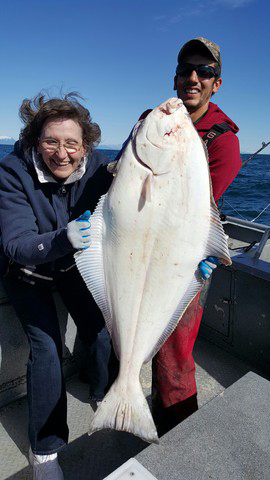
78, 231
207, 266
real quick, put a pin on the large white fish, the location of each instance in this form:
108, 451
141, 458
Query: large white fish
149, 232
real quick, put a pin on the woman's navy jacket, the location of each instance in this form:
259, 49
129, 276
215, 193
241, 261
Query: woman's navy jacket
34, 215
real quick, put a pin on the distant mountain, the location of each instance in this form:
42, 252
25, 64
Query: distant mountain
110, 147
7, 140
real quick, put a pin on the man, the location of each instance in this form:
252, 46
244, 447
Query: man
197, 79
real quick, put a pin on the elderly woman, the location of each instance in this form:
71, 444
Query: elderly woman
48, 184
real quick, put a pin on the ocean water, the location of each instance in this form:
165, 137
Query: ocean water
248, 197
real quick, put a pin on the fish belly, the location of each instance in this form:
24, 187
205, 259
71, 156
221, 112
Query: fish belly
151, 255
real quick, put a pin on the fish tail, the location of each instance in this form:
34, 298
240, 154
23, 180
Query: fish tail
127, 412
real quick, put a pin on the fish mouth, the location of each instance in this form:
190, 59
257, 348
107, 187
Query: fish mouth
155, 174
147, 167
166, 135
140, 161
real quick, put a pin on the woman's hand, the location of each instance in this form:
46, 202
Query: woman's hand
78, 231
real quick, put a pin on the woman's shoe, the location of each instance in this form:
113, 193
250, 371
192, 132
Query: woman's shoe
45, 467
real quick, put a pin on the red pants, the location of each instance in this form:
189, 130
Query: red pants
173, 366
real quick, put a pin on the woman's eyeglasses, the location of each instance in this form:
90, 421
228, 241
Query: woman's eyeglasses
52, 146
203, 71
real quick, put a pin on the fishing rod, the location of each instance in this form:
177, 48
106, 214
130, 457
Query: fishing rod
264, 145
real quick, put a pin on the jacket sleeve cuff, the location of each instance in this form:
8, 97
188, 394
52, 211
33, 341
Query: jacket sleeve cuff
64, 243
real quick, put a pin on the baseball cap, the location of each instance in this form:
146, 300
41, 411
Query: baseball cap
212, 48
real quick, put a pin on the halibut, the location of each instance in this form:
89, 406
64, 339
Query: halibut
149, 233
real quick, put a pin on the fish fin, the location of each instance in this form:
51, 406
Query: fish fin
147, 188
217, 244
127, 413
146, 193
192, 290
90, 264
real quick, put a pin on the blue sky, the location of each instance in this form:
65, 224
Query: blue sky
121, 56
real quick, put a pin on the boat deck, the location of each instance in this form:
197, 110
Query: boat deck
94, 457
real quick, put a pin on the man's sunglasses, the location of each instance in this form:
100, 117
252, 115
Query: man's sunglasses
203, 71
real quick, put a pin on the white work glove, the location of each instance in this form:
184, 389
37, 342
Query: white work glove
78, 231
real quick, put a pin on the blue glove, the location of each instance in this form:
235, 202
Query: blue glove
207, 266
78, 231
